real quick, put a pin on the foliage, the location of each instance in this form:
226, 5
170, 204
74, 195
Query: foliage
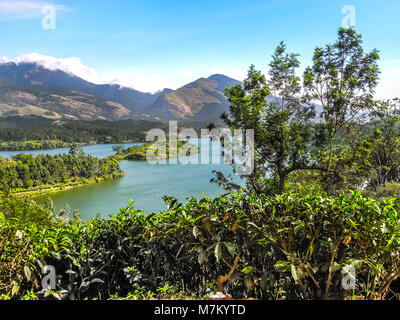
282, 247
293, 133
390, 191
33, 145
156, 151
384, 162
342, 80
280, 122
291, 235
25, 171
34, 134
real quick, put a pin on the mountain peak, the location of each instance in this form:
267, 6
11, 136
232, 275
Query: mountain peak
223, 81
219, 76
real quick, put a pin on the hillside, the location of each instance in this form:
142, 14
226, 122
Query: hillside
201, 100
58, 103
32, 74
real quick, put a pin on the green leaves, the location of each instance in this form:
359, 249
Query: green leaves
2, 218
218, 251
294, 273
282, 266
28, 273
232, 248
247, 270
281, 244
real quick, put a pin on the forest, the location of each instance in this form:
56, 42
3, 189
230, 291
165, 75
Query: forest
318, 218
155, 151
38, 133
24, 173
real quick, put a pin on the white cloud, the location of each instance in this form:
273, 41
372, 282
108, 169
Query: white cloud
4, 59
25, 9
137, 79
70, 65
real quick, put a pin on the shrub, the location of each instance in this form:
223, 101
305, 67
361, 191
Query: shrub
283, 247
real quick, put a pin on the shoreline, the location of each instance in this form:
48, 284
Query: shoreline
129, 156
42, 192
67, 146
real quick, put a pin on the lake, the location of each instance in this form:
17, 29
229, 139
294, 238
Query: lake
144, 183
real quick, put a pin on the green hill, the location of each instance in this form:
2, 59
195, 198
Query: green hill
201, 100
58, 103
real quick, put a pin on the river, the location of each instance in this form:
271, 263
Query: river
144, 183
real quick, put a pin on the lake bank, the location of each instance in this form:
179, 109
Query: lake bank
144, 183
48, 189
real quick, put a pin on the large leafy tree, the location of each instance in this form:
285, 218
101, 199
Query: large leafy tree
342, 80
288, 135
281, 128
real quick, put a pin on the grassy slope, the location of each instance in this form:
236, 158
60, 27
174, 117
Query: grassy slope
56, 103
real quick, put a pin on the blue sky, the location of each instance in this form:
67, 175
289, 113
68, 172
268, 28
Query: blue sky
154, 44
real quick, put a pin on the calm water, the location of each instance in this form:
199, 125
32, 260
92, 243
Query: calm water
145, 184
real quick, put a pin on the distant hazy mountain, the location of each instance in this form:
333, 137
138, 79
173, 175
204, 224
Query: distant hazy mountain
59, 103
201, 100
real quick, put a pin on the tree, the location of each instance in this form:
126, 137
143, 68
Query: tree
384, 161
76, 150
118, 148
342, 79
288, 135
280, 121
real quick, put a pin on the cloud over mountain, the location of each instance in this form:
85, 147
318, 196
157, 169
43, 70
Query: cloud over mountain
72, 65
148, 83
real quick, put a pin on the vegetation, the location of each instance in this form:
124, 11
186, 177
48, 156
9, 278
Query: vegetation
33, 145
283, 247
57, 103
317, 219
38, 133
25, 173
337, 145
156, 151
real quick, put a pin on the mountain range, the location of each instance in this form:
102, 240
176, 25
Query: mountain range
28, 89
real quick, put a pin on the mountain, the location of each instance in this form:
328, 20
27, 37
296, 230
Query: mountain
201, 100
34, 74
59, 103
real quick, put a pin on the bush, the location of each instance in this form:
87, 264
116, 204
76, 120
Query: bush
391, 190
283, 247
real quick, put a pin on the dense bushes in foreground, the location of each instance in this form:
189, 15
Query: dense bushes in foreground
283, 247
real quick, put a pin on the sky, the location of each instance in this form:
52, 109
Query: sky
156, 44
